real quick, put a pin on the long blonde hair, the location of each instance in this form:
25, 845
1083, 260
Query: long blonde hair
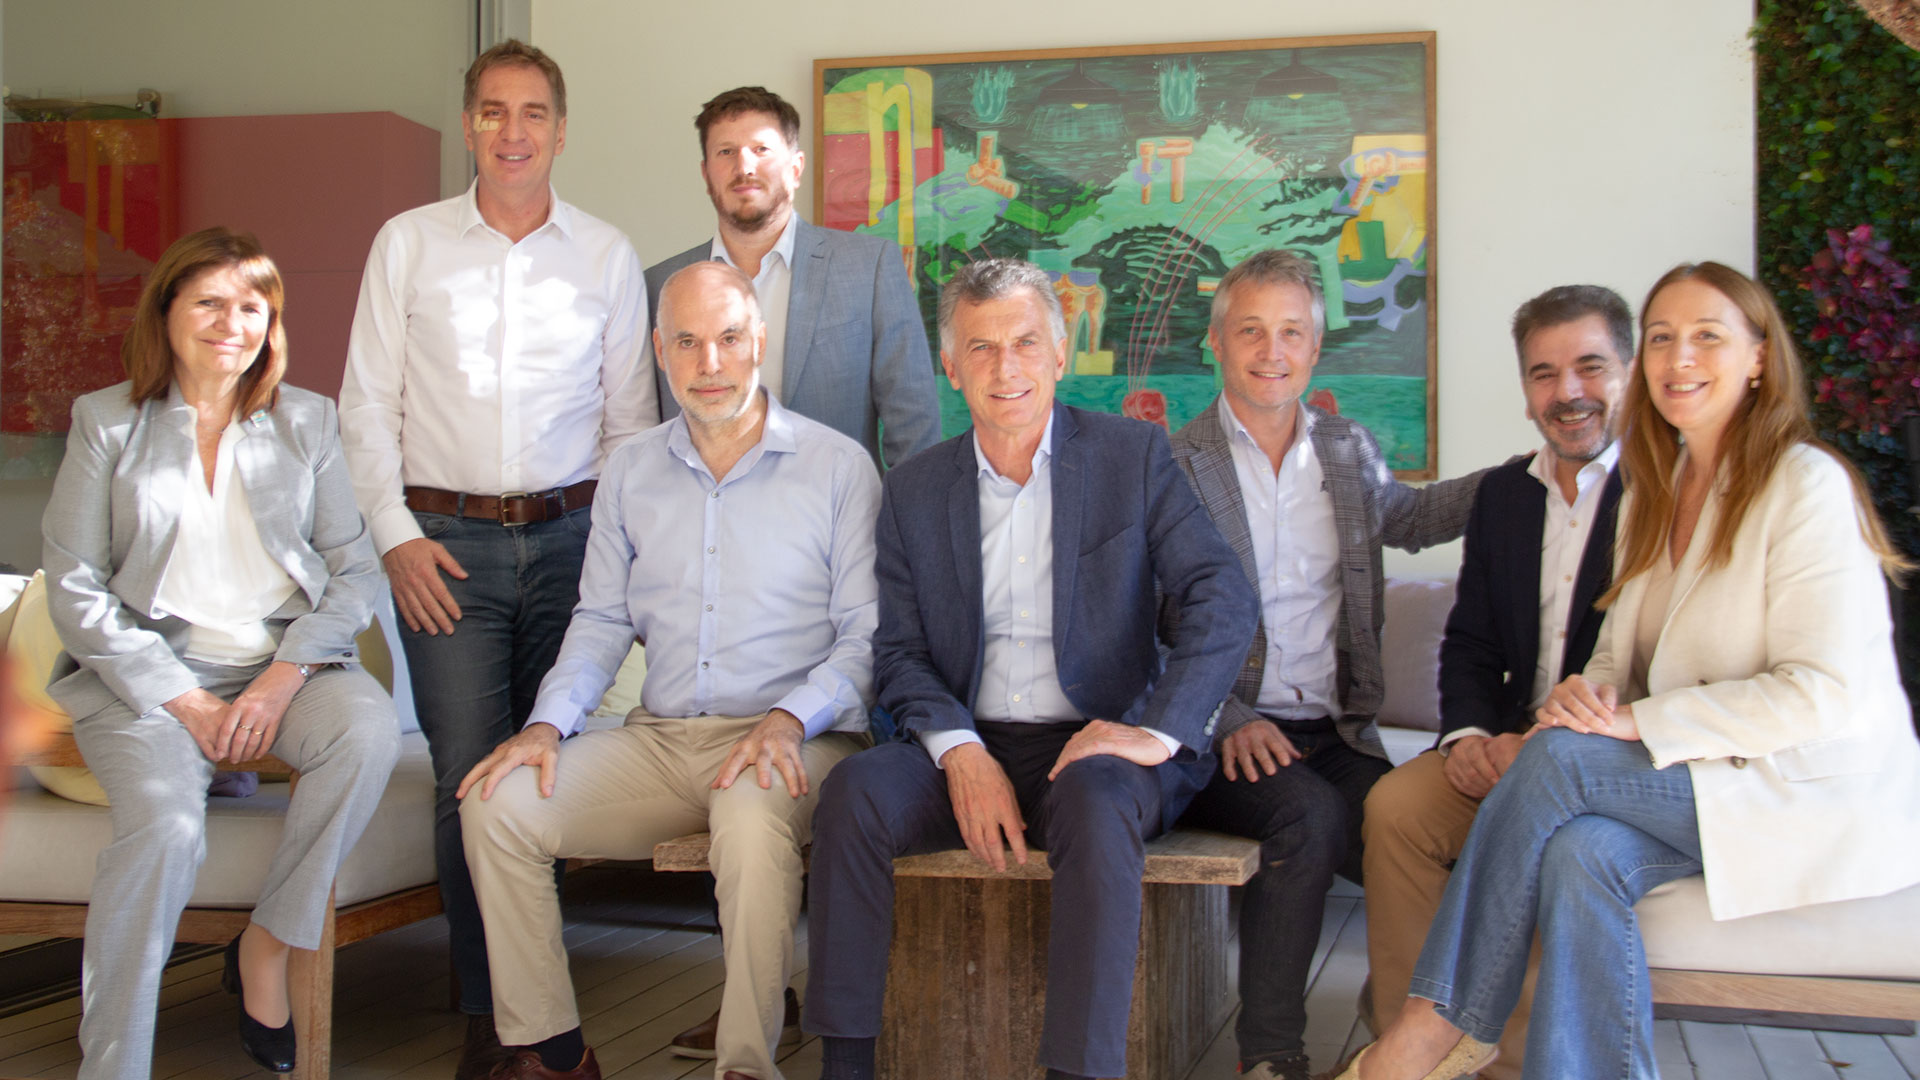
1768, 421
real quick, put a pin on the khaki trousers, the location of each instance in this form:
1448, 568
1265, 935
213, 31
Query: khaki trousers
616, 794
1415, 825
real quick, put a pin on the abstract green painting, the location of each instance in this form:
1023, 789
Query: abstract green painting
1137, 176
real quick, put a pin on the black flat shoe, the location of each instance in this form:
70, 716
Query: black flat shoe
271, 1048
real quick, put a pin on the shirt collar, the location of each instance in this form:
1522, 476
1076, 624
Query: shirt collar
1041, 454
776, 437
1541, 468
782, 247
1237, 431
559, 214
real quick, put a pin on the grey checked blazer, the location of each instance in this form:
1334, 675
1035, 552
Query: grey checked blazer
856, 354
1370, 508
110, 527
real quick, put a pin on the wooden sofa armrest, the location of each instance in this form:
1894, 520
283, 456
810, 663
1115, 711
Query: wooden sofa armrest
61, 751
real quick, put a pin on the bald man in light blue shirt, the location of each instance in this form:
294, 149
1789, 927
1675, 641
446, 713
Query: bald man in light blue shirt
737, 542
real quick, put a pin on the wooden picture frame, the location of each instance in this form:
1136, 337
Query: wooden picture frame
1137, 175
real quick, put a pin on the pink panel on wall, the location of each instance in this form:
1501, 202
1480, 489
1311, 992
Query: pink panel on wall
315, 189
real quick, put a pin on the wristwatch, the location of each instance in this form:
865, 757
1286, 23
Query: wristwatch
306, 670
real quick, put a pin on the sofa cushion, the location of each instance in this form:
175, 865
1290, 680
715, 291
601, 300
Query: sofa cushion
48, 844
35, 647
1878, 937
1410, 651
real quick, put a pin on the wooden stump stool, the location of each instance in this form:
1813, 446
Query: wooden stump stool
967, 975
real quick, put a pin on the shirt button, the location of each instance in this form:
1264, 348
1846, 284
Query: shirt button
1016, 697
1022, 644
1573, 524
1563, 635
703, 665
709, 551
1569, 577
1023, 614
716, 494
709, 607
1022, 558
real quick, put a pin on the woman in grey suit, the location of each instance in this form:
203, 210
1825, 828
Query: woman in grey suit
208, 573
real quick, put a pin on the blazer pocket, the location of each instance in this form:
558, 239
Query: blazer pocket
1827, 757
1128, 535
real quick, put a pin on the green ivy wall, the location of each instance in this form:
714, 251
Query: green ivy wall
1838, 141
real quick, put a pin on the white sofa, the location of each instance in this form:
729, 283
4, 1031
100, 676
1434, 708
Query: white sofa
1850, 963
49, 844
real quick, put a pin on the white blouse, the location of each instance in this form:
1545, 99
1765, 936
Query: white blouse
219, 577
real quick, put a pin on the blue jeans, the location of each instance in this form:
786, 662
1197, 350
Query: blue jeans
1307, 819
475, 687
1579, 828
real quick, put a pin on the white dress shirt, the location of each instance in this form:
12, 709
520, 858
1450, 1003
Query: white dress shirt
1019, 676
219, 577
485, 366
771, 287
1563, 543
1296, 553
752, 594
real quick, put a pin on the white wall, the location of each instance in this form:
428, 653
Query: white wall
1576, 142
254, 58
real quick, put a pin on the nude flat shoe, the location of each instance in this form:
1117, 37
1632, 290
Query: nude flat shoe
1467, 1057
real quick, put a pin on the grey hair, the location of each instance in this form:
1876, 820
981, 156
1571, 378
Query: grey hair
730, 276
1570, 303
996, 279
1274, 266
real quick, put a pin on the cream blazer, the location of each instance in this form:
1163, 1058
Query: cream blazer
1774, 681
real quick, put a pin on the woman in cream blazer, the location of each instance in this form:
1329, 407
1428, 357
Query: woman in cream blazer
208, 572
1748, 639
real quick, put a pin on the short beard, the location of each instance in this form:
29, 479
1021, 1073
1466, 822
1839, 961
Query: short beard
751, 222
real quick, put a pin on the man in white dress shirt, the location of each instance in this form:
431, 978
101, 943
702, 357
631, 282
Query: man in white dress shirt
737, 539
1539, 550
495, 361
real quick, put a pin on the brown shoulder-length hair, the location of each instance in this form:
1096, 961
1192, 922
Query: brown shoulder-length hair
1769, 420
147, 354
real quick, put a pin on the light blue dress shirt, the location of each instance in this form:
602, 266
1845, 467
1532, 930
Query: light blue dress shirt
1296, 552
1019, 676
751, 594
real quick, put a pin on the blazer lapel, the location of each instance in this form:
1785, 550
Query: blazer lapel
806, 291
170, 462
1069, 505
963, 522
1219, 485
1523, 610
1596, 563
268, 493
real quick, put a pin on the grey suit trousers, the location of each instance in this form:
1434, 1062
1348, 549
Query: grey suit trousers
339, 731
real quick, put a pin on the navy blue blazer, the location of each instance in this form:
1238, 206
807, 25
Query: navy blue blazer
1124, 520
1492, 645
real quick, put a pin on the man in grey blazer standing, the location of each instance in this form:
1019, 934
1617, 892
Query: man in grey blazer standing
845, 342
1306, 501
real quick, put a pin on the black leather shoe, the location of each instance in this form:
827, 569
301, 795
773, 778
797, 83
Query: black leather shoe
271, 1048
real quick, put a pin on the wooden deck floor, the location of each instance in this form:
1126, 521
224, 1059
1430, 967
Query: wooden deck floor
646, 964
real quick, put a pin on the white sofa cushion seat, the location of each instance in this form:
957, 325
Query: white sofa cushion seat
1873, 938
48, 844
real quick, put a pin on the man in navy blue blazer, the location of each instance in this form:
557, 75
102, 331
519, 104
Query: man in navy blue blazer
1017, 647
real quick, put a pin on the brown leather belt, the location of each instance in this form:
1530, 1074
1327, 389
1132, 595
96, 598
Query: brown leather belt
512, 508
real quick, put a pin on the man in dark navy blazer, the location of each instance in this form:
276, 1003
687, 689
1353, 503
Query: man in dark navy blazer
1539, 550
1017, 647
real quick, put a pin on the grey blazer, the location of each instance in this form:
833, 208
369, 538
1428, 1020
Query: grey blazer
110, 526
856, 355
1370, 508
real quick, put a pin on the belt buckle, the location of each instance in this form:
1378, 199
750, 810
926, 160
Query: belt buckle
502, 504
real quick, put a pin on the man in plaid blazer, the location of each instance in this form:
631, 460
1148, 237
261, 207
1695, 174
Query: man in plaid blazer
1306, 501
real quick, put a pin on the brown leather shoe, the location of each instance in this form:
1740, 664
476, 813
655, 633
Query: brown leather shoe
697, 1041
525, 1065
482, 1050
